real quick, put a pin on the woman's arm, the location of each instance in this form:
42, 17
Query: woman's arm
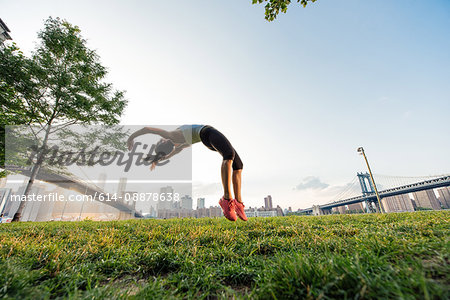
176, 136
175, 151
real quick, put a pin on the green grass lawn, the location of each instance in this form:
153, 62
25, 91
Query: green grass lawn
391, 256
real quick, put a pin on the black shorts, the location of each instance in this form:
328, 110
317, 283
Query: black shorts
216, 141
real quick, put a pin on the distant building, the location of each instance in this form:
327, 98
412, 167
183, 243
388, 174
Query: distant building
167, 213
152, 211
130, 198
186, 202
348, 209
426, 199
355, 208
162, 202
200, 203
4, 35
339, 209
262, 212
268, 202
279, 211
122, 186
211, 212
399, 203
444, 197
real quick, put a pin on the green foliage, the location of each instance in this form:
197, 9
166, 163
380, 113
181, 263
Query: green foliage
389, 256
17, 88
73, 77
61, 84
274, 7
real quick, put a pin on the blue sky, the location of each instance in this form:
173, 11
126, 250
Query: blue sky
296, 96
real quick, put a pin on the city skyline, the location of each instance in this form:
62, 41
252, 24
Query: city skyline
434, 199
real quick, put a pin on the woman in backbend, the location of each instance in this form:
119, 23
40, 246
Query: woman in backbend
173, 142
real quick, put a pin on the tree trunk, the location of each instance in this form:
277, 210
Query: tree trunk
34, 171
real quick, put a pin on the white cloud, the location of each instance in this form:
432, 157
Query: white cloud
311, 182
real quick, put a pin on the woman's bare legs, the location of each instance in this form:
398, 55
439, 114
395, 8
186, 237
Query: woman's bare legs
226, 178
237, 175
239, 206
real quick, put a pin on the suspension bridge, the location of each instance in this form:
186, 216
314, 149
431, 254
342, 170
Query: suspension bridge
81, 186
361, 191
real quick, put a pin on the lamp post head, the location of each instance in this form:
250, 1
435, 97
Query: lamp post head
360, 150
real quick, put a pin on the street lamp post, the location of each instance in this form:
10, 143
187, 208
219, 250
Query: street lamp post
361, 152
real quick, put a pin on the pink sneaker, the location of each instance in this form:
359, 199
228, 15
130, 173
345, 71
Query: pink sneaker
240, 210
228, 208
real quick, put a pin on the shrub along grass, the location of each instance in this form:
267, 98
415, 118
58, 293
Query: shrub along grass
373, 256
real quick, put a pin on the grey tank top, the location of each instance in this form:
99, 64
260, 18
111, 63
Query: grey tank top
191, 133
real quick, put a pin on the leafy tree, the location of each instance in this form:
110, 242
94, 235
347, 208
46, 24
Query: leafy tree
15, 87
274, 7
60, 85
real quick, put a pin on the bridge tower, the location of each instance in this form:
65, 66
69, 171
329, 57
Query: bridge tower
367, 189
364, 179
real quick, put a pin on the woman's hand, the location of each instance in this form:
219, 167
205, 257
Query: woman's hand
130, 143
154, 164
